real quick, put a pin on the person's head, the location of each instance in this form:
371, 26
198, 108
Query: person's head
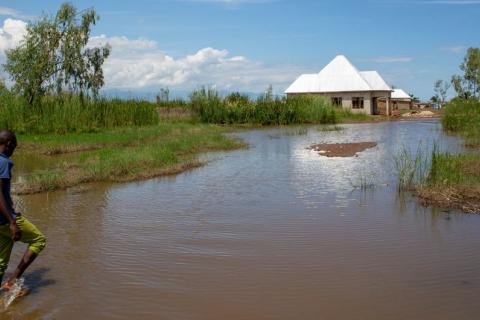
8, 142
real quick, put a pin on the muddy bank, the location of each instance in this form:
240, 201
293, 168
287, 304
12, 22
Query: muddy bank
342, 149
466, 199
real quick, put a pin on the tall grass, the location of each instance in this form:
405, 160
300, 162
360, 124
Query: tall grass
463, 117
236, 108
435, 169
67, 114
412, 167
62, 114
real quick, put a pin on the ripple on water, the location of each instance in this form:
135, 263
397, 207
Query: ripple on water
271, 232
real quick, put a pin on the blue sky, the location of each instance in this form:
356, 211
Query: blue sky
247, 44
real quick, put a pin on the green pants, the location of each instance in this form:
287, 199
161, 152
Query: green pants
30, 234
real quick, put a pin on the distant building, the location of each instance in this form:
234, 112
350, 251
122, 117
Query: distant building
362, 92
401, 100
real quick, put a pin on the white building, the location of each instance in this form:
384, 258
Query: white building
362, 92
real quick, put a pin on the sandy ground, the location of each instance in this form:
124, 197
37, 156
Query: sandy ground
342, 149
420, 114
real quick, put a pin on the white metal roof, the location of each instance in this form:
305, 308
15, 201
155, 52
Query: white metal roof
375, 81
338, 76
400, 94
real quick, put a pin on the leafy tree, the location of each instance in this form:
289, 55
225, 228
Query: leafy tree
468, 85
414, 98
55, 56
441, 88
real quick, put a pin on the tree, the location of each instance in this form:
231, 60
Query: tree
163, 95
414, 98
269, 93
441, 88
55, 56
468, 85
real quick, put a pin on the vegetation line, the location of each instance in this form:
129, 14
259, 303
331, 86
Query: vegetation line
171, 149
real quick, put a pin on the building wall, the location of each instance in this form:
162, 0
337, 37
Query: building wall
348, 96
402, 104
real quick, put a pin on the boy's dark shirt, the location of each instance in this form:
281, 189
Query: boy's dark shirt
6, 165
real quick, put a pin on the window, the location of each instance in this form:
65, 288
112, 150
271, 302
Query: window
337, 101
357, 102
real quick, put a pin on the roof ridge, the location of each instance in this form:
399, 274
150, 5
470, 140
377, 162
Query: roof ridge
354, 68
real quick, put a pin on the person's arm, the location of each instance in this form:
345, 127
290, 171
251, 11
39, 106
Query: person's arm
8, 215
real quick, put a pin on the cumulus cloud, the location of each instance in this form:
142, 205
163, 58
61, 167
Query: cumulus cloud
11, 33
140, 64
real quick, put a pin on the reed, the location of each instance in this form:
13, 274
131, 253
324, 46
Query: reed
463, 117
412, 167
64, 114
236, 108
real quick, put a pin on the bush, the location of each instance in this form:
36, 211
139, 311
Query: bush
463, 116
265, 110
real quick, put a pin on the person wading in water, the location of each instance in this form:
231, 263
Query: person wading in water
13, 225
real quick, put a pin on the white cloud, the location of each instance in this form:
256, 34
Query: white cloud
136, 64
455, 49
11, 33
140, 64
5, 11
392, 59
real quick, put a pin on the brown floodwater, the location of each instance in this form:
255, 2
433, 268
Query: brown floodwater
272, 232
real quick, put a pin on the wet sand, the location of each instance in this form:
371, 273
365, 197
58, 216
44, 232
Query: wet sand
342, 149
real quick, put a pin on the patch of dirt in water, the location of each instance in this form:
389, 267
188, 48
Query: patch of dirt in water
342, 149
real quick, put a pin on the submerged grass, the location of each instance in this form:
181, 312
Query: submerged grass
445, 179
441, 179
453, 181
412, 168
122, 154
329, 128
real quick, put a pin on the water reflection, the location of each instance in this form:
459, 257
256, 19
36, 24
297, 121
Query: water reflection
272, 232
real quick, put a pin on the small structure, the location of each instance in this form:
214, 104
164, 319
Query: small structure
401, 100
346, 87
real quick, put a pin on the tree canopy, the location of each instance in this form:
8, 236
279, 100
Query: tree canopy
55, 56
468, 85
441, 88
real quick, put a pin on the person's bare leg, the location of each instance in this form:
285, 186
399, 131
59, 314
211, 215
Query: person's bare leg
26, 261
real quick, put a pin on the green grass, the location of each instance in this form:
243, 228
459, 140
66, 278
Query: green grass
445, 179
329, 128
121, 154
235, 108
65, 114
463, 117
449, 170
412, 168
88, 140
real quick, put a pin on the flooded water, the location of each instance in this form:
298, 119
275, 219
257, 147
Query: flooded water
272, 232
